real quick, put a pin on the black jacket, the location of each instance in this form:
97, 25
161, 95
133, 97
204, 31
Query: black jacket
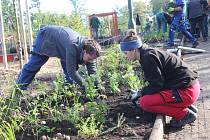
164, 70
194, 9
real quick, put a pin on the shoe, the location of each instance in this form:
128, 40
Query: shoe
193, 108
195, 44
189, 118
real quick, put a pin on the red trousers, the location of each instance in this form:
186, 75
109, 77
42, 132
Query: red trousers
165, 103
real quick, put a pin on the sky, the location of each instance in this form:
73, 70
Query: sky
93, 6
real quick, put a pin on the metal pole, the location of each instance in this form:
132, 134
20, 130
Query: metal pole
29, 25
19, 45
131, 22
23, 35
4, 52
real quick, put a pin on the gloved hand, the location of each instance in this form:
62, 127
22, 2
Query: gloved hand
171, 9
135, 95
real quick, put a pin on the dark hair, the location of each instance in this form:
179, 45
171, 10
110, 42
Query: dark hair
131, 35
92, 47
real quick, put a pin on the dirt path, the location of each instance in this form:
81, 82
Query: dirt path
200, 129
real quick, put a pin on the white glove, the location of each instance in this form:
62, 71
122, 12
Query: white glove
135, 95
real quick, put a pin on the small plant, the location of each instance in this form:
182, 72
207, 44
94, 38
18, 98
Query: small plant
91, 89
132, 79
74, 114
89, 127
120, 121
114, 82
98, 110
47, 129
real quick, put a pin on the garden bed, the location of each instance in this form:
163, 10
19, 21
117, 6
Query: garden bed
55, 114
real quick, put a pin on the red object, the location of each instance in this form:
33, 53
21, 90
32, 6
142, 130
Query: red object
10, 58
163, 102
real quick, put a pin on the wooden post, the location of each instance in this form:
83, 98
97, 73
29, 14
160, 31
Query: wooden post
19, 45
2, 38
23, 34
29, 26
109, 26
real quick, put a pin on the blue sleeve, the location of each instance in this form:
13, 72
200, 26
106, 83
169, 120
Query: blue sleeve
180, 2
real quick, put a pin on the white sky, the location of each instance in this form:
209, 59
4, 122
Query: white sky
93, 6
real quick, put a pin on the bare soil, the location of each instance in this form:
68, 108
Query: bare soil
138, 124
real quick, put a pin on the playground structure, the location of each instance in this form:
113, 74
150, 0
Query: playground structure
112, 28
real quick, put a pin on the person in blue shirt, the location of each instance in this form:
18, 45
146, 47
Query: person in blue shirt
64, 43
179, 22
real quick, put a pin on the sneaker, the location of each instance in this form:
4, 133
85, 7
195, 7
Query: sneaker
193, 108
189, 118
195, 44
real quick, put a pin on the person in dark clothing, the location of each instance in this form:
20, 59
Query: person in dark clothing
66, 44
179, 22
138, 23
94, 24
168, 18
161, 22
172, 86
205, 8
196, 17
138, 20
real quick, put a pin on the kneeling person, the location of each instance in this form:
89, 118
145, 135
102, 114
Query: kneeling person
172, 86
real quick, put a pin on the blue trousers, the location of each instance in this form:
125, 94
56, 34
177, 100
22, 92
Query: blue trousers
34, 64
30, 69
177, 24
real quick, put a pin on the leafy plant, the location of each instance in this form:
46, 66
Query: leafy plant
7, 130
89, 127
114, 82
132, 79
98, 110
91, 89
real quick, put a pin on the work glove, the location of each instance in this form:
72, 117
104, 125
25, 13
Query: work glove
135, 95
171, 9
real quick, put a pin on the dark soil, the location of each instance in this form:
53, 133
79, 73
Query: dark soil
138, 124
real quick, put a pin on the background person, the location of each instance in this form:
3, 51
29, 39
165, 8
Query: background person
172, 86
179, 22
161, 22
196, 17
94, 24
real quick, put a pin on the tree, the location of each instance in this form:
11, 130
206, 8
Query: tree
9, 16
74, 21
78, 6
138, 7
157, 5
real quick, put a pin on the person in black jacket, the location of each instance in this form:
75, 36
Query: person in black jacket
196, 16
172, 87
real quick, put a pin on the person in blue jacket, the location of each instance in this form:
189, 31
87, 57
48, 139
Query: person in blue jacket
66, 44
179, 23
